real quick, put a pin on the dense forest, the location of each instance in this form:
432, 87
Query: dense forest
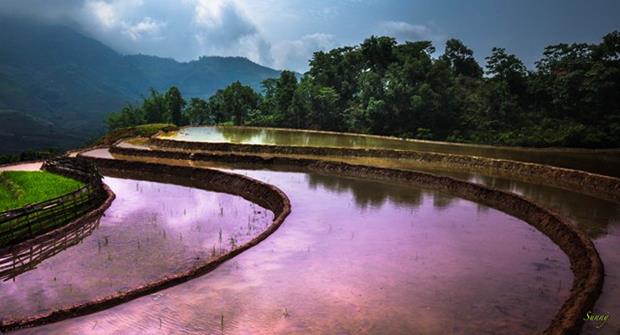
382, 87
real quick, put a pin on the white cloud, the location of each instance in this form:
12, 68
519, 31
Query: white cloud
295, 54
210, 12
184, 30
103, 12
223, 28
404, 31
146, 27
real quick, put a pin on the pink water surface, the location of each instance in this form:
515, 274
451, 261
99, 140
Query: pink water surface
599, 218
356, 257
150, 231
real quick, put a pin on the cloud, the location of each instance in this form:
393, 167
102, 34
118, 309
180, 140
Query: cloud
223, 28
404, 31
295, 54
181, 29
146, 27
274, 33
103, 12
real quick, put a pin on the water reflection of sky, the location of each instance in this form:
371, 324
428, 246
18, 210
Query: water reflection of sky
601, 219
150, 231
403, 261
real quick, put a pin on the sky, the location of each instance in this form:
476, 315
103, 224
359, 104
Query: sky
283, 34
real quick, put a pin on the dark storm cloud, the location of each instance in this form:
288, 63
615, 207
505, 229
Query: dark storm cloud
284, 33
183, 29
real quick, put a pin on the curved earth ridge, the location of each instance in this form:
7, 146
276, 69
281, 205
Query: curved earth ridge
265, 195
585, 262
601, 186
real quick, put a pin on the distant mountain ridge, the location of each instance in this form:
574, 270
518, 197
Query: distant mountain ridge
54, 74
202, 77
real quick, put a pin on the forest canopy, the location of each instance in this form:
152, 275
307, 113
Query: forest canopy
382, 87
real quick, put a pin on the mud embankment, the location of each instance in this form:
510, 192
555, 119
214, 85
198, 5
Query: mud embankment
265, 195
597, 185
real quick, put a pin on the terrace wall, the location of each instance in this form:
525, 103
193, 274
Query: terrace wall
597, 185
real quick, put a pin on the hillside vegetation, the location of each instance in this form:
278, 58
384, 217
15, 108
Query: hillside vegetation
20, 131
71, 82
381, 87
144, 130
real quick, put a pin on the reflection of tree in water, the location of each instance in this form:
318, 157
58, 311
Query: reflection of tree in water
375, 194
442, 200
591, 214
288, 137
239, 135
26, 256
366, 192
283, 137
301, 138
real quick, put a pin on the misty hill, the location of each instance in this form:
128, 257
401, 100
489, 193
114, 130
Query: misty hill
55, 75
20, 131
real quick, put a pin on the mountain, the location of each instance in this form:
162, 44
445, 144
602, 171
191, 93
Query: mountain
56, 76
20, 131
202, 77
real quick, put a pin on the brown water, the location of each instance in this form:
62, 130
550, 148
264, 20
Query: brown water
358, 256
598, 161
150, 231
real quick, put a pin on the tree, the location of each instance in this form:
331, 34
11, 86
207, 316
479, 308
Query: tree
278, 98
461, 59
198, 112
237, 101
378, 52
175, 104
609, 49
126, 117
283, 97
507, 88
154, 107
507, 67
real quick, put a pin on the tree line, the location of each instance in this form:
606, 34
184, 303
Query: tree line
386, 88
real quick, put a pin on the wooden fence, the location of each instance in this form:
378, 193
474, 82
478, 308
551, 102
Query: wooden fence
17, 259
27, 222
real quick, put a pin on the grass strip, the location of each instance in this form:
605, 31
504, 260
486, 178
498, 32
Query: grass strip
21, 188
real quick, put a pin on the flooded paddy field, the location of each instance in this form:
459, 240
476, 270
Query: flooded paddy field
605, 162
599, 218
359, 256
151, 230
